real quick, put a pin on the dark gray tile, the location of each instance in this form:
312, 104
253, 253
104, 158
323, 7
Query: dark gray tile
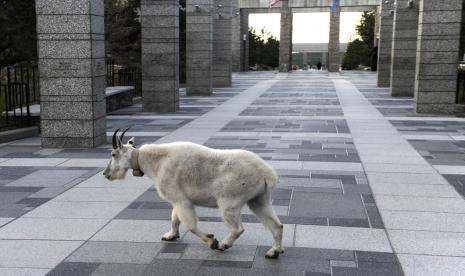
233, 264
73, 269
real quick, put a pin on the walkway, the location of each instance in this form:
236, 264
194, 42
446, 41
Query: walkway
360, 190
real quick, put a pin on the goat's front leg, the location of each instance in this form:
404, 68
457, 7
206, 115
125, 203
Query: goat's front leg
174, 233
186, 214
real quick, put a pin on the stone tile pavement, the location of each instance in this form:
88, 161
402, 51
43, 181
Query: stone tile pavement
361, 189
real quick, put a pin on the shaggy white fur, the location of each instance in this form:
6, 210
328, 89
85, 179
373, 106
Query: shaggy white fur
188, 175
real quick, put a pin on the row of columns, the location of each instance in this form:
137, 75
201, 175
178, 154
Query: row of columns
419, 50
71, 51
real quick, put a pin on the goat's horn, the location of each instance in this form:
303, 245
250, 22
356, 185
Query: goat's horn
115, 144
122, 135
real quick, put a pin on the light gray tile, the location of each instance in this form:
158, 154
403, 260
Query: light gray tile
89, 210
421, 265
426, 221
100, 194
116, 252
428, 243
51, 229
421, 204
32, 162
406, 178
13, 271
4, 221
414, 190
35, 253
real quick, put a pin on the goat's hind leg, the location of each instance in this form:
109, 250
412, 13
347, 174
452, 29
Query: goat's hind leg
186, 214
231, 213
173, 234
261, 206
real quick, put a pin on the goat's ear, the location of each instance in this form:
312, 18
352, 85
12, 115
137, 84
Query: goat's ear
132, 142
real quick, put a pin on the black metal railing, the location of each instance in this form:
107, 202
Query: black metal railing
15, 105
19, 88
119, 75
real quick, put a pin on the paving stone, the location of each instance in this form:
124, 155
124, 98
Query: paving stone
327, 205
119, 270
73, 269
100, 194
51, 228
346, 238
116, 252
13, 271
89, 210
173, 267
35, 253
428, 243
48, 178
431, 265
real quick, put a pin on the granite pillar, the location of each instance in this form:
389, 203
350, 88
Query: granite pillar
244, 60
385, 43
404, 49
222, 51
334, 59
160, 55
236, 37
438, 53
199, 45
285, 41
71, 53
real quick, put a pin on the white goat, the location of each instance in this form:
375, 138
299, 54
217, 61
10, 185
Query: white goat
188, 175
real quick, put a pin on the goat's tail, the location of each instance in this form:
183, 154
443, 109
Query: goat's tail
271, 181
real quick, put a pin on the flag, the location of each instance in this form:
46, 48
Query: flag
274, 2
335, 3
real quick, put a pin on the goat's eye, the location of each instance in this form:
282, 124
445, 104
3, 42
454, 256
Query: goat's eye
113, 154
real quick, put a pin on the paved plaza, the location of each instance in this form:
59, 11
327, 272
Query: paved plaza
367, 187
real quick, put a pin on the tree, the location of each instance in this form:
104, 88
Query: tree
123, 30
361, 51
18, 31
264, 53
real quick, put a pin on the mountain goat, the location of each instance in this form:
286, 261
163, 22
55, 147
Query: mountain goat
188, 175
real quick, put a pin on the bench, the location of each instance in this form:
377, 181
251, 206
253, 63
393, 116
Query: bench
117, 97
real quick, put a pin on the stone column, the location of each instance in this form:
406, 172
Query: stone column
236, 37
385, 43
244, 60
438, 53
285, 41
222, 51
404, 49
71, 52
334, 59
199, 45
160, 55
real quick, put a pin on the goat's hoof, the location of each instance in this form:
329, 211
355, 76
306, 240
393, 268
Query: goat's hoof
223, 247
272, 255
173, 238
214, 244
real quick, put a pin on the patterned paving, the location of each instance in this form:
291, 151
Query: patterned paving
59, 216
